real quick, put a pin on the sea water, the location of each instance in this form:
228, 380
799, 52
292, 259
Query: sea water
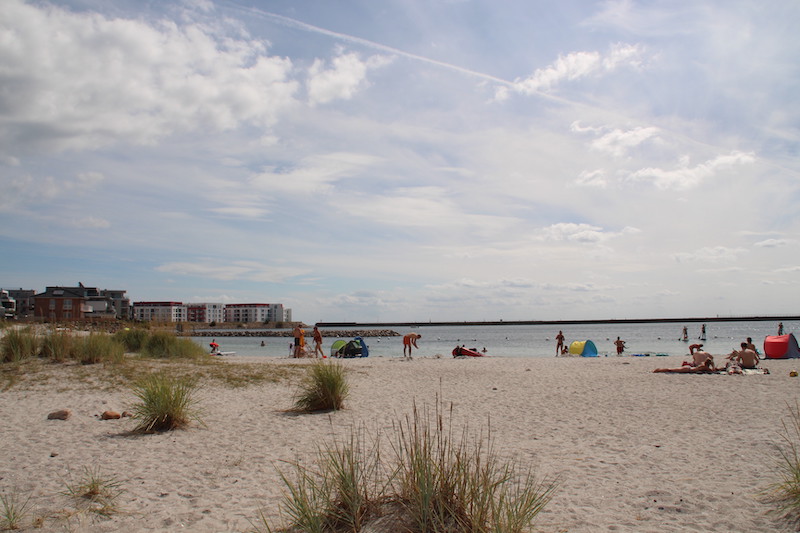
533, 340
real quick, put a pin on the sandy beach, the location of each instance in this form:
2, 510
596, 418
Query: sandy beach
634, 451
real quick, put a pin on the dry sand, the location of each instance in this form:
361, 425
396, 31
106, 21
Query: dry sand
635, 451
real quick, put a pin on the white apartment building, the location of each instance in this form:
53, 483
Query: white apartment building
159, 311
254, 313
205, 312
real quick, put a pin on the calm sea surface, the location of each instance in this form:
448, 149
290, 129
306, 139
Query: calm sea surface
534, 341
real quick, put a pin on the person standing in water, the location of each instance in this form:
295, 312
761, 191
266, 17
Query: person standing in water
620, 344
559, 342
780, 328
318, 343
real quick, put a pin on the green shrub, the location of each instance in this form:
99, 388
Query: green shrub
164, 345
165, 402
97, 348
323, 388
57, 346
17, 345
133, 339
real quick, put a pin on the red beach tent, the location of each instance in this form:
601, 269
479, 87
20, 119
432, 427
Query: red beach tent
781, 347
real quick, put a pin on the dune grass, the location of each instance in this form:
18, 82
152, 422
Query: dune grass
97, 348
323, 388
436, 480
457, 482
132, 338
165, 402
786, 491
164, 345
57, 346
18, 344
95, 490
13, 509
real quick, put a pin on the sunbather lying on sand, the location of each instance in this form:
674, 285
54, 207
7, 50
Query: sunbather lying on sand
707, 366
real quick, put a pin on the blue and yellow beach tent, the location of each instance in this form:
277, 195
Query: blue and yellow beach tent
583, 348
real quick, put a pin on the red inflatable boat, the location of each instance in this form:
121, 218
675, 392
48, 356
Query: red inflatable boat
460, 351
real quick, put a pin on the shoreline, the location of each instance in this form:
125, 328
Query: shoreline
612, 321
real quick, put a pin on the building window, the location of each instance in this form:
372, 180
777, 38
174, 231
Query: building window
67, 304
52, 304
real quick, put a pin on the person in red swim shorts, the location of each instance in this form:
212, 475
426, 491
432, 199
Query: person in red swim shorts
409, 341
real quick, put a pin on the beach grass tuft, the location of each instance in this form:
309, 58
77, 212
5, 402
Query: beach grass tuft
57, 346
786, 491
323, 388
165, 345
18, 345
165, 402
457, 482
435, 481
133, 339
100, 492
97, 348
15, 508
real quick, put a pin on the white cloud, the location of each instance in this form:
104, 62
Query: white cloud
576, 65
714, 254
92, 223
772, 243
686, 177
314, 174
580, 233
81, 80
231, 270
618, 142
592, 178
343, 79
567, 231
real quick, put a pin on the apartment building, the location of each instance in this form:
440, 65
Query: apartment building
205, 312
160, 311
75, 303
254, 313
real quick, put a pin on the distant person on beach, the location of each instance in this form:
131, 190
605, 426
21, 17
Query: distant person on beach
750, 345
685, 334
620, 344
699, 357
703, 333
780, 328
746, 358
694, 347
409, 341
318, 342
299, 340
706, 367
559, 342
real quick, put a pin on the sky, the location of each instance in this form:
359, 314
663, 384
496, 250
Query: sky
406, 160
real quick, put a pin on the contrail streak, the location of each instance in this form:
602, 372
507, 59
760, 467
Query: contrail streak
292, 23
